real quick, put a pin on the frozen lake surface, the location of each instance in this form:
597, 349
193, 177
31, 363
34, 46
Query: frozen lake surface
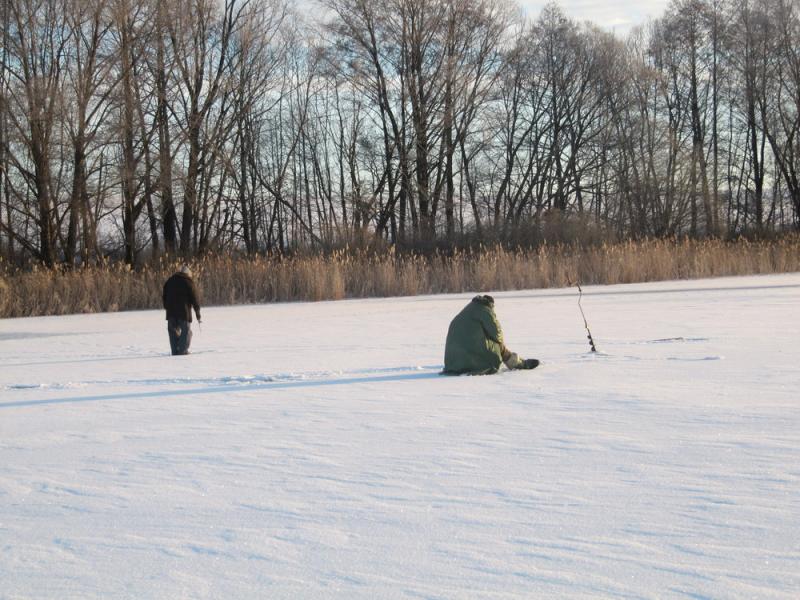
311, 450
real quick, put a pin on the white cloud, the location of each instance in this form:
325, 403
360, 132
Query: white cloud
619, 15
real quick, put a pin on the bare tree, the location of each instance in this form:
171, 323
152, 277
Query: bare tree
37, 43
6, 229
782, 118
92, 80
199, 125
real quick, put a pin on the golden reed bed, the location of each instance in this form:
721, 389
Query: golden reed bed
234, 280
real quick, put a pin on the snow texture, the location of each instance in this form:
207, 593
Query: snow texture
312, 450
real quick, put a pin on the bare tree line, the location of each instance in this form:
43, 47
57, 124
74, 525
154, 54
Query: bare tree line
134, 128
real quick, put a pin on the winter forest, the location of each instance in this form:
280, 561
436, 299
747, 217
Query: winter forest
134, 128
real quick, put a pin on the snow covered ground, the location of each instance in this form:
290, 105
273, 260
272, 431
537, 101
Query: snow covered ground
312, 451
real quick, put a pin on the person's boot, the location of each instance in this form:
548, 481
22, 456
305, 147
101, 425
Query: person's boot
529, 363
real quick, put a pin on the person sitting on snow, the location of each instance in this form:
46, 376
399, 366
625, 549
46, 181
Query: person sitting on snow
475, 345
179, 298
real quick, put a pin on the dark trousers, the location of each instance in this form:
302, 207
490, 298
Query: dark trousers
180, 335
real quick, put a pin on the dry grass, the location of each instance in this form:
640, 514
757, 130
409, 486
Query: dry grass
227, 280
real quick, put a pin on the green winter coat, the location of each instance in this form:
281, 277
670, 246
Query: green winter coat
474, 340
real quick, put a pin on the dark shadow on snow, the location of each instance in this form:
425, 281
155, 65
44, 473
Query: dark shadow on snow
95, 359
278, 385
546, 293
678, 290
28, 335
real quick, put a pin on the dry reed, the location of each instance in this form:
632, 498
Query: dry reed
229, 280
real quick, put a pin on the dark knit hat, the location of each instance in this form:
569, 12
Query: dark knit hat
485, 299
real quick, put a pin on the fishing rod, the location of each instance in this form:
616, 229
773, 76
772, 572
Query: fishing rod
585, 323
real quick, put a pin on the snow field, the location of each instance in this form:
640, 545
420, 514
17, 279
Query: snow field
311, 450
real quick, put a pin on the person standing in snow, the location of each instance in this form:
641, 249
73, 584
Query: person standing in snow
475, 345
179, 297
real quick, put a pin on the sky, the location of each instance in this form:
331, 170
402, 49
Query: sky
617, 15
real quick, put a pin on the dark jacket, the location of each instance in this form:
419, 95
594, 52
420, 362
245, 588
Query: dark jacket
179, 297
474, 340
